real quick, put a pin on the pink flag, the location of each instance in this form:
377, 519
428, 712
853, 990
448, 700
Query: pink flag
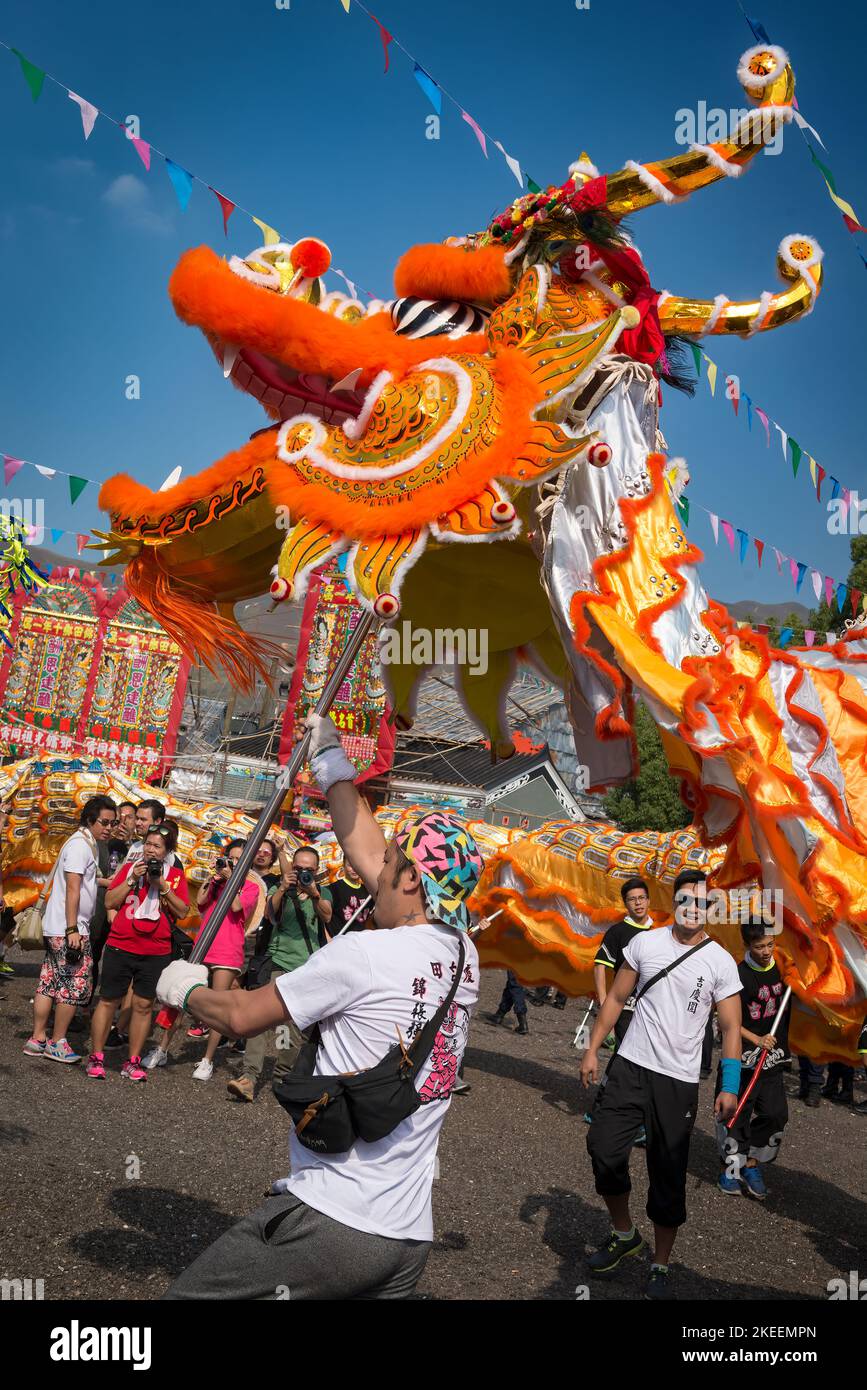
793, 566
764, 419
817, 582
479, 133
82, 542
88, 113
714, 526
729, 533
847, 498
809, 636
780, 558
829, 590
11, 466
143, 150
733, 391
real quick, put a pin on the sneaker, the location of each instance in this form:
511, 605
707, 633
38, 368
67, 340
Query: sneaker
640, 1140
197, 1031
460, 1088
155, 1058
241, 1089
731, 1186
61, 1052
608, 1256
860, 1108
755, 1183
658, 1286
240, 1046
114, 1039
95, 1068
34, 1048
844, 1098
133, 1070
6, 968
204, 1071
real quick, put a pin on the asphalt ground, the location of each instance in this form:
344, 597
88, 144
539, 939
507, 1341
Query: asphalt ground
109, 1189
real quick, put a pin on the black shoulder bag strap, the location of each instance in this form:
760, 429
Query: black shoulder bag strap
674, 964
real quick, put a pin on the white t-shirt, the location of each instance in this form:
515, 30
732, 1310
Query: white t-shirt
76, 857
358, 988
668, 1025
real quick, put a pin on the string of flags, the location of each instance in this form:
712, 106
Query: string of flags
182, 179
435, 91
836, 593
850, 217
793, 453
12, 467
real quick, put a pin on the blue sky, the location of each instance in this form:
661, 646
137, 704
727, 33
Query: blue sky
288, 112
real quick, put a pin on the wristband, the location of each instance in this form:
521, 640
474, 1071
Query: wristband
731, 1074
197, 985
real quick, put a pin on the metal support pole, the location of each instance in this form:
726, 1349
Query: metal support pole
285, 778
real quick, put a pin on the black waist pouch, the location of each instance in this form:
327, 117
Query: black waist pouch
332, 1112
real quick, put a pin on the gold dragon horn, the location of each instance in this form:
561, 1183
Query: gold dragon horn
768, 80
799, 260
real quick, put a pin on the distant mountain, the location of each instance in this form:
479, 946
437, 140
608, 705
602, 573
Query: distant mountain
761, 612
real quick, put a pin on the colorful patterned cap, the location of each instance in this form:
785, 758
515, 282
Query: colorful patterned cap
448, 859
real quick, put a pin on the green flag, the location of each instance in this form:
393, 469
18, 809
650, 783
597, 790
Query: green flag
683, 508
533, 187
796, 454
696, 353
76, 488
33, 76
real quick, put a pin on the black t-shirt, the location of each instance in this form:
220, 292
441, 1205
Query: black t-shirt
612, 946
345, 900
760, 1000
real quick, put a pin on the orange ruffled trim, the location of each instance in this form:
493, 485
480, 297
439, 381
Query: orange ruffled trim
431, 271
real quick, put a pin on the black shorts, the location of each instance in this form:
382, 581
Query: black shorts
120, 969
635, 1096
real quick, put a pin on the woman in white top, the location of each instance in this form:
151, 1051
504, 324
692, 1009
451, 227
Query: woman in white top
66, 979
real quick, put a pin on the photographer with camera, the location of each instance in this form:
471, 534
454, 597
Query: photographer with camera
148, 895
299, 912
66, 978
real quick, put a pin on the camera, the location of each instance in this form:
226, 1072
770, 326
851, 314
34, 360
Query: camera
220, 862
73, 955
305, 877
155, 869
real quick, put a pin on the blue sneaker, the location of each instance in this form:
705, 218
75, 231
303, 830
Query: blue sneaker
731, 1186
588, 1117
755, 1183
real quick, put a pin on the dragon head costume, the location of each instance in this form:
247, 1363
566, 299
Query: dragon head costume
510, 394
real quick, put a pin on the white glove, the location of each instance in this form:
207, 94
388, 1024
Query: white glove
323, 733
177, 980
328, 762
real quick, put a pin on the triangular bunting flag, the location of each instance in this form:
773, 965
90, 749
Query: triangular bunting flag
714, 526
81, 541
813, 470
802, 570
477, 130
532, 185
764, 419
11, 466
786, 636
809, 636
33, 76
835, 488
76, 488
227, 207
793, 567
46, 472
760, 33
784, 439
711, 373
733, 391
817, 583
760, 546
697, 355
429, 87
796, 454
855, 597
780, 557
512, 163
385, 36
88, 113
56, 535
840, 596
743, 542
749, 411
271, 237
805, 125
143, 150
829, 589
345, 4
821, 478
729, 533
181, 181
683, 508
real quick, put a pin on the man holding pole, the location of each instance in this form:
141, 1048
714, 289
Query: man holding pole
355, 1224
677, 975
756, 1132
